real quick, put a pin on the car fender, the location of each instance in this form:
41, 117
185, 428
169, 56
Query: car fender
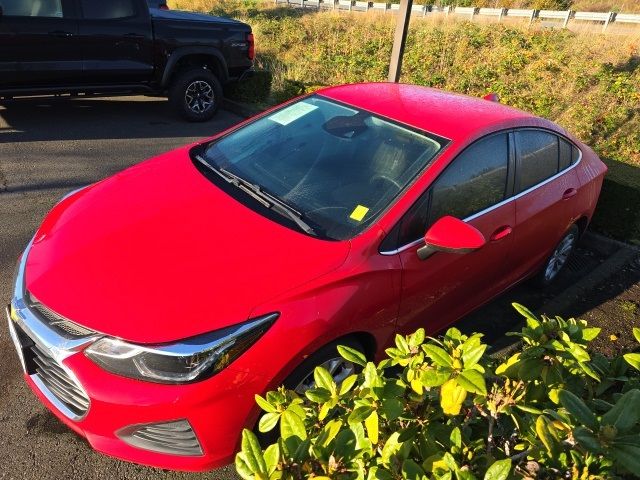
183, 52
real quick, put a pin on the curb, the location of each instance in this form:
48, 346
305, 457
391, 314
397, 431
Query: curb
240, 109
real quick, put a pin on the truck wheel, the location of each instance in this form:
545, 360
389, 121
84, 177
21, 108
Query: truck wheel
196, 94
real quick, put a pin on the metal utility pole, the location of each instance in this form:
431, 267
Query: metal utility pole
399, 40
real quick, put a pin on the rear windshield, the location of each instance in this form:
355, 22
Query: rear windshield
337, 165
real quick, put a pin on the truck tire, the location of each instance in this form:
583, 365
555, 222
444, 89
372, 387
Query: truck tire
196, 94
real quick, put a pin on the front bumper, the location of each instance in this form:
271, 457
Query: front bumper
216, 409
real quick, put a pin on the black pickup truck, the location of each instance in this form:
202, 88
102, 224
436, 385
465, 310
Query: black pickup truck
121, 47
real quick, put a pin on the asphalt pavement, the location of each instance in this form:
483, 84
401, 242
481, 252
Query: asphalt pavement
47, 148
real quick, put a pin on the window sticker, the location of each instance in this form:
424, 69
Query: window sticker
358, 213
292, 113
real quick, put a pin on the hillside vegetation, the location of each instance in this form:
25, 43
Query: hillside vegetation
588, 83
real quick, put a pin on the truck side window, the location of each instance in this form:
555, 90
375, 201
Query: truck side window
31, 8
105, 10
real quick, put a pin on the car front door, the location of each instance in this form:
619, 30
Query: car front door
117, 42
546, 188
475, 187
38, 44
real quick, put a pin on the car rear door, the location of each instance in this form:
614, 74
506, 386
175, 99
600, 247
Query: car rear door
117, 42
475, 187
38, 44
546, 187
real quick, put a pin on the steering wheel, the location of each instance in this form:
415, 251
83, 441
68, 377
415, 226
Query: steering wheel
384, 179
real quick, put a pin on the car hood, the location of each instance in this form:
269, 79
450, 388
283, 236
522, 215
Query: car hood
158, 253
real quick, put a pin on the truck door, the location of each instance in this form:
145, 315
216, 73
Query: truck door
38, 43
117, 41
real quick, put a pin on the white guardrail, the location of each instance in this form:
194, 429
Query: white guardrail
559, 16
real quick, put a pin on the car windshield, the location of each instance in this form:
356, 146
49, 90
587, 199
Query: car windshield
338, 166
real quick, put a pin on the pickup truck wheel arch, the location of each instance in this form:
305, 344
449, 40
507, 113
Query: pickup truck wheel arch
188, 57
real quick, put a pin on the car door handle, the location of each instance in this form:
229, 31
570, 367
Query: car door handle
569, 193
501, 233
61, 33
133, 35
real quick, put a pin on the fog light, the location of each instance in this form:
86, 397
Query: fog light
174, 438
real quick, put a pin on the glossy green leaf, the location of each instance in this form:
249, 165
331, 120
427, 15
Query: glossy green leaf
411, 470
499, 470
371, 423
626, 456
391, 447
253, 452
291, 425
352, 355
318, 395
265, 405
268, 421
359, 414
625, 413
452, 396
636, 333
438, 355
243, 468
545, 433
456, 437
589, 334
532, 320
472, 381
576, 407
432, 377
587, 439
472, 355
324, 379
392, 408
633, 359
272, 457
348, 383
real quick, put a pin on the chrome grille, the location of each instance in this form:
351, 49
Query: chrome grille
59, 383
57, 321
177, 438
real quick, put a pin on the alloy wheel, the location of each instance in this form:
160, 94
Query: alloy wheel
199, 96
559, 257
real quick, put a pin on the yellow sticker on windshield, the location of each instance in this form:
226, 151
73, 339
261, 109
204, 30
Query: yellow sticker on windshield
358, 213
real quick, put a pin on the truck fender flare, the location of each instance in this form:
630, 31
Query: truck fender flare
180, 53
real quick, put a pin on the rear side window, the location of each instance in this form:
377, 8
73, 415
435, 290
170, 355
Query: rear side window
32, 8
107, 9
565, 154
474, 181
537, 157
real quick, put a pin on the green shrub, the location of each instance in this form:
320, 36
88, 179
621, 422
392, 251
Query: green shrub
551, 410
254, 89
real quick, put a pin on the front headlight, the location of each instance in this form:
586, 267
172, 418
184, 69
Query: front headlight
187, 361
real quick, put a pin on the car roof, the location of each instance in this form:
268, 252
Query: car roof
450, 115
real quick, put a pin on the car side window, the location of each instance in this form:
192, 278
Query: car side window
32, 8
538, 159
565, 154
108, 10
474, 181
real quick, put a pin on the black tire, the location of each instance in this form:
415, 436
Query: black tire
304, 370
558, 259
196, 94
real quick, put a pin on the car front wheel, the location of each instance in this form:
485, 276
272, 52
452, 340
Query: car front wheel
196, 94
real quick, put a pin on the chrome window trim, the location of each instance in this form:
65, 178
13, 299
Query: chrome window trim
49, 341
500, 204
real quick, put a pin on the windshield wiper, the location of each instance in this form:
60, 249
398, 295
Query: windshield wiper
256, 192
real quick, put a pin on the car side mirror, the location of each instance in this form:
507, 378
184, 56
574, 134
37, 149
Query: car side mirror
451, 235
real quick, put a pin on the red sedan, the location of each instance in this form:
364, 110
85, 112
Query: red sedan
150, 307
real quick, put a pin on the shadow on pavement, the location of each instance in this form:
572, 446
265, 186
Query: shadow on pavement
44, 119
